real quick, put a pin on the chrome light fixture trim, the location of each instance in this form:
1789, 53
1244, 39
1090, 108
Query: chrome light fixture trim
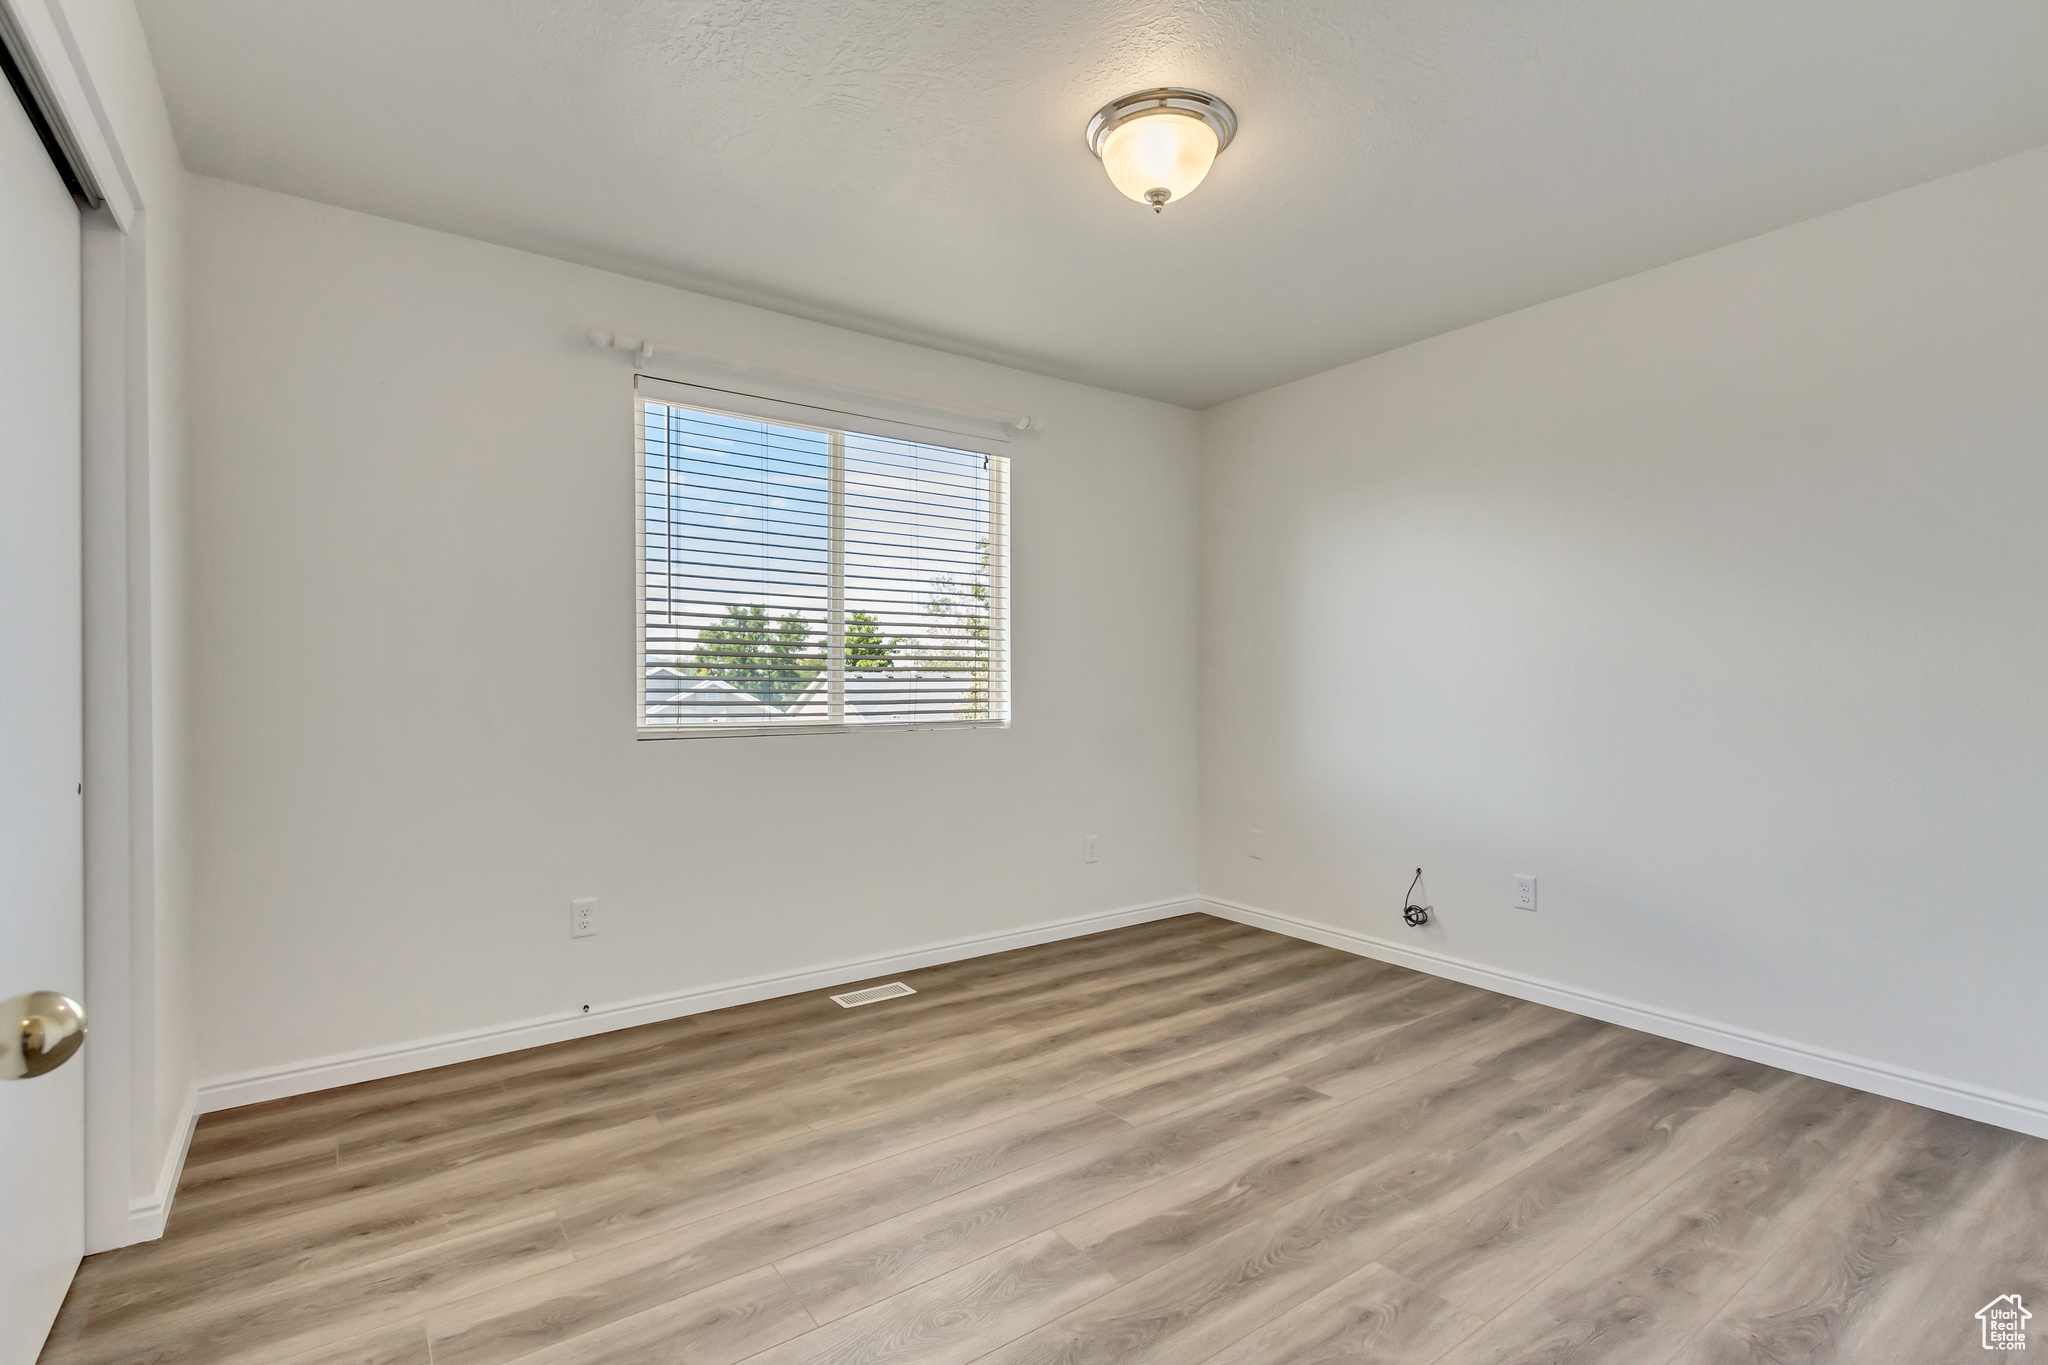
1167, 99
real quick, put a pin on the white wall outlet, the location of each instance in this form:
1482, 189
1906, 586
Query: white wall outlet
1525, 893
1089, 849
583, 919
1255, 843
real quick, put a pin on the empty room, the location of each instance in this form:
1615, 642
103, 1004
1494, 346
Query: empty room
1023, 682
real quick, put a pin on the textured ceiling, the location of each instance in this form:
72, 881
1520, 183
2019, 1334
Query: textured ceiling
915, 168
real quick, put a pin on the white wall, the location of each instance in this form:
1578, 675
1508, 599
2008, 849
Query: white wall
1717, 598
414, 575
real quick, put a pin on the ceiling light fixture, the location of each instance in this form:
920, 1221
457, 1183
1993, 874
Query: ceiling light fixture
1158, 144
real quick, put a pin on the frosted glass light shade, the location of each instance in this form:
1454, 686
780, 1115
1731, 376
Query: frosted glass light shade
1158, 144
1166, 151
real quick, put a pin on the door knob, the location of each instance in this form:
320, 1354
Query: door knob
38, 1032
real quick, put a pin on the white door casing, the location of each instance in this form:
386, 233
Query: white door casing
41, 754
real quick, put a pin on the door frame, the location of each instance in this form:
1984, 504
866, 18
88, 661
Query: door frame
127, 1184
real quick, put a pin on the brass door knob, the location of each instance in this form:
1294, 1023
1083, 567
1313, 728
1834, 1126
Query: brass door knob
38, 1032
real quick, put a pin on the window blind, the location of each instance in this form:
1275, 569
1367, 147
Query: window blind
800, 576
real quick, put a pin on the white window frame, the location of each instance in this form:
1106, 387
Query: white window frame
833, 424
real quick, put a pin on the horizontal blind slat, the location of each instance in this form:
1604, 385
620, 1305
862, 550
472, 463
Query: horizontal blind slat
736, 521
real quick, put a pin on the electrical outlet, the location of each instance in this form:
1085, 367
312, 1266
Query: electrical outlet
1255, 843
583, 919
1090, 842
1525, 893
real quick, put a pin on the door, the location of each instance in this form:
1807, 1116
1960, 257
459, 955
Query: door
42, 855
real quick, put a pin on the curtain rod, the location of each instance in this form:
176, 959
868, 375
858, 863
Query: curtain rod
647, 349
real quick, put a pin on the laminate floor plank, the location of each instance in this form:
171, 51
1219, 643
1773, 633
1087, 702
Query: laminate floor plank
696, 1071
1184, 1142
1407, 995
958, 1317
364, 1195
418, 1184
318, 1114
981, 987
871, 1066
229, 1172
1488, 1254
677, 1191
862, 1267
255, 1327
1167, 1071
731, 1320
1180, 1211
1191, 1300
400, 1128
1078, 1033
282, 1245
402, 1343
1742, 1073
1646, 1287
1372, 1315
1130, 1023
615, 1279
1177, 1071
1834, 1289
1162, 947
1349, 1070
1992, 1245
824, 1046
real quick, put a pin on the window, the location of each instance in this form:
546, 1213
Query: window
804, 570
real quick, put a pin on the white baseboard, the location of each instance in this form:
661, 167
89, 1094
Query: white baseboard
1933, 1092
324, 1073
148, 1214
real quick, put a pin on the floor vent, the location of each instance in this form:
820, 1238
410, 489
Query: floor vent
872, 994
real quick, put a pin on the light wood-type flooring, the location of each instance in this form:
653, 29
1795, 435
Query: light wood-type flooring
1180, 1142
